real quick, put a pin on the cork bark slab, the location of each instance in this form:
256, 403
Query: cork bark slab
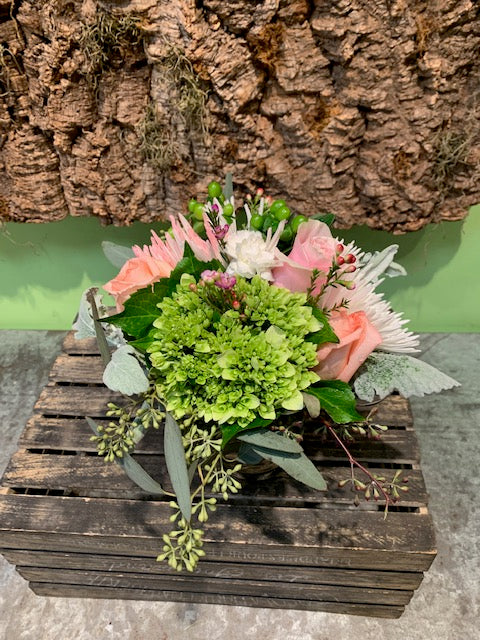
77, 526
369, 110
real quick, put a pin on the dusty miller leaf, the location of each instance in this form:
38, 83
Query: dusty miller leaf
124, 374
383, 373
84, 324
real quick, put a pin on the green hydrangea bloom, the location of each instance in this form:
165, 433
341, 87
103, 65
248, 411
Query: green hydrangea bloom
232, 366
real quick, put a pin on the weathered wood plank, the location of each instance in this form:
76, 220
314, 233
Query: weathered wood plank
226, 570
187, 583
83, 591
87, 346
396, 445
67, 368
319, 537
92, 476
393, 411
73, 434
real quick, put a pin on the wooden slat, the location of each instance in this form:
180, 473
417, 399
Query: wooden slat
67, 368
73, 434
87, 346
400, 446
225, 570
75, 401
186, 583
316, 537
92, 476
82, 591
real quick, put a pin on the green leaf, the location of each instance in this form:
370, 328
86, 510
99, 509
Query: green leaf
116, 253
142, 344
191, 265
337, 399
383, 373
134, 471
124, 374
229, 431
271, 440
326, 333
327, 218
296, 465
228, 188
141, 309
177, 466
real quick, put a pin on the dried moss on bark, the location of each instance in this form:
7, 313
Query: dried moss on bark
365, 111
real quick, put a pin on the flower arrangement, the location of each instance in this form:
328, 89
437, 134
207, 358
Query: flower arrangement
241, 330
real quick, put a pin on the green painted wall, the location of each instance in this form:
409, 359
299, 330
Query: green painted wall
44, 268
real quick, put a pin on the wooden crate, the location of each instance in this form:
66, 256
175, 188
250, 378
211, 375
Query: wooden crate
77, 526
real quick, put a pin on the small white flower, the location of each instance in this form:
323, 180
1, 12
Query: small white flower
251, 254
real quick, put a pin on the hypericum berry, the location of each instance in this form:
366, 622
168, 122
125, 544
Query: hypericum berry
350, 258
191, 205
287, 234
198, 211
214, 189
257, 222
228, 210
236, 305
270, 222
297, 221
277, 204
282, 213
340, 260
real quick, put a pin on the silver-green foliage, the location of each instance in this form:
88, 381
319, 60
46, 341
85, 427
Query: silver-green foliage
384, 373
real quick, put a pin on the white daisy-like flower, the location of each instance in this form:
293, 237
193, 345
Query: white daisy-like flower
363, 297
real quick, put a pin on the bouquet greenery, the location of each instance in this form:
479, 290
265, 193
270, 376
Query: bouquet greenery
237, 332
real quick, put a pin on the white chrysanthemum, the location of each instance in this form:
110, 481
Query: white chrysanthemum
251, 254
390, 325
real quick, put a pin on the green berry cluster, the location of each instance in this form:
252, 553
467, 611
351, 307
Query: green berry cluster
273, 213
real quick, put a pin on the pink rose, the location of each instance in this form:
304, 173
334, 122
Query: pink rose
314, 248
358, 338
135, 274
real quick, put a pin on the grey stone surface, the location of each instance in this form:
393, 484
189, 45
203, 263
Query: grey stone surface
446, 607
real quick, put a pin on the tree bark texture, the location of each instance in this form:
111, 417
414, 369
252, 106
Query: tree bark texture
366, 109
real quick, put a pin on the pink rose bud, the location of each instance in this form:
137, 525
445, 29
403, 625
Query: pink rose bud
249, 196
260, 192
215, 207
236, 304
350, 269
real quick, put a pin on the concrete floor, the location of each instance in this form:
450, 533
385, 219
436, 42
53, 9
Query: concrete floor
446, 607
